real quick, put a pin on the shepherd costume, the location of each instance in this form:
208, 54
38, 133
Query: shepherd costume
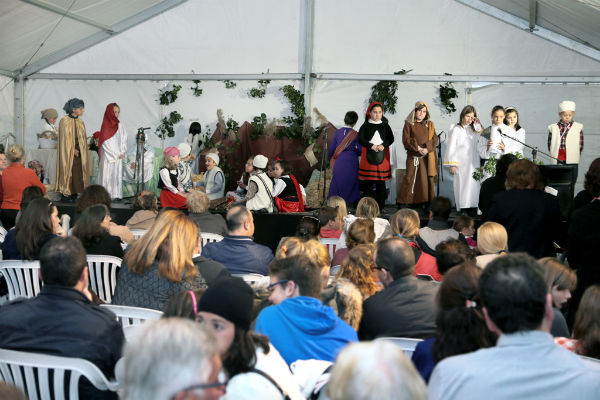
375, 166
169, 184
288, 194
112, 143
72, 175
421, 171
343, 153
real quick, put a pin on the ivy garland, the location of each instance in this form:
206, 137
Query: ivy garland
385, 93
165, 129
196, 90
489, 168
447, 93
167, 96
258, 126
229, 84
261, 90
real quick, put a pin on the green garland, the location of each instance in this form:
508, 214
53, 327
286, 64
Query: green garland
447, 93
489, 168
165, 129
229, 84
261, 90
167, 97
196, 90
385, 93
258, 126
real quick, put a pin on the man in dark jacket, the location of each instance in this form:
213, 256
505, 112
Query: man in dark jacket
406, 307
237, 251
62, 320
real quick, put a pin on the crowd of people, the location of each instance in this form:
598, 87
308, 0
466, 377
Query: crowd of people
495, 310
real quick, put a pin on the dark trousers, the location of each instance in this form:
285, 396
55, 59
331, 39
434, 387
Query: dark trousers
377, 193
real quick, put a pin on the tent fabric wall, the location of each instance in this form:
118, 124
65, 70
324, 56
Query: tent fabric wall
7, 105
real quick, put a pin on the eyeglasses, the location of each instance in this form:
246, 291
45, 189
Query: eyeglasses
375, 267
202, 386
272, 286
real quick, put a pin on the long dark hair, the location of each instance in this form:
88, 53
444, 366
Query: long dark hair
460, 322
587, 323
93, 194
35, 223
88, 228
241, 356
30, 193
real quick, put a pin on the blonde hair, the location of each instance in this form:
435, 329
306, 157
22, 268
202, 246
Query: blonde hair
405, 222
337, 201
361, 231
171, 240
312, 248
167, 162
492, 238
558, 274
367, 207
14, 153
357, 269
197, 201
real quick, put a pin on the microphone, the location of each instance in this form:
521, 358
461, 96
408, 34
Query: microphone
143, 129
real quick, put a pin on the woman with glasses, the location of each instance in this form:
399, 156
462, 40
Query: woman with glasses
92, 229
254, 368
38, 224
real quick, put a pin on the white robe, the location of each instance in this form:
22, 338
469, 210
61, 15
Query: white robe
486, 152
462, 153
129, 173
110, 169
513, 147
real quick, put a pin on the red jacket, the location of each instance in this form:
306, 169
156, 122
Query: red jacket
15, 178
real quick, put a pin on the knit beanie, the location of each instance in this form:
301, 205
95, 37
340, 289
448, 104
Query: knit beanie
230, 298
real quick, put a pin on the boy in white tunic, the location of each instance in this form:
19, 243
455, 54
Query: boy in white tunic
565, 138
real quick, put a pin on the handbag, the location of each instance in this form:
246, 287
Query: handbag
375, 157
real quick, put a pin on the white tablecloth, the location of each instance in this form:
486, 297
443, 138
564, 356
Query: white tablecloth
46, 157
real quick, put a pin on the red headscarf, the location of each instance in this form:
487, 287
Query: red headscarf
373, 104
110, 124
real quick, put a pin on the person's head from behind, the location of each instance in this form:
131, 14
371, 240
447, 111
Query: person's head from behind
146, 201
460, 322
39, 219
394, 259
171, 358
560, 280
30, 193
92, 224
292, 277
340, 204
592, 178
353, 377
240, 221
587, 323
328, 218
93, 194
183, 304
63, 263
367, 207
523, 174
350, 118
197, 202
171, 241
361, 231
15, 153
225, 308
308, 228
450, 253
405, 223
313, 249
464, 224
503, 163
492, 238
514, 295
357, 269
440, 208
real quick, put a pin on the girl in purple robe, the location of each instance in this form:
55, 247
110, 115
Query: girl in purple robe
343, 154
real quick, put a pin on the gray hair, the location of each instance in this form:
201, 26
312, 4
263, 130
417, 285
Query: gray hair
396, 378
166, 356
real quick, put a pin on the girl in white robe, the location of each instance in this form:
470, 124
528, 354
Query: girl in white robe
514, 130
462, 158
112, 151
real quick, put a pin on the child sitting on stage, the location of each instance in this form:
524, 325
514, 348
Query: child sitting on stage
172, 193
240, 193
289, 195
214, 179
185, 165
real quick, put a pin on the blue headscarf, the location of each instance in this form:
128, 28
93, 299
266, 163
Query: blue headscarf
71, 104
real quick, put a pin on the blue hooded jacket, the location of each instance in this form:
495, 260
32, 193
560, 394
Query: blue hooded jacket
302, 328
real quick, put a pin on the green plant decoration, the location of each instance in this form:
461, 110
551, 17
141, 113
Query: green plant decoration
489, 168
196, 90
165, 129
232, 125
297, 126
385, 93
169, 96
258, 126
229, 84
447, 93
261, 90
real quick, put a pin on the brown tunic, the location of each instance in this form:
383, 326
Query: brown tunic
419, 180
72, 175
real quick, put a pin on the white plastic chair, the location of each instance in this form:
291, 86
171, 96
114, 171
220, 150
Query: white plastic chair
22, 278
407, 345
129, 316
208, 237
40, 373
138, 233
103, 275
3, 233
331, 245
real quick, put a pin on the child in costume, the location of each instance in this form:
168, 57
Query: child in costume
343, 154
565, 138
239, 194
289, 195
112, 146
214, 179
172, 193
49, 129
185, 165
494, 145
514, 130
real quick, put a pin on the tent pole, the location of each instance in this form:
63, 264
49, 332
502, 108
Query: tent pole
19, 120
308, 50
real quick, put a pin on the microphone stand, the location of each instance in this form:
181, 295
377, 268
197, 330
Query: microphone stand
534, 150
139, 160
439, 162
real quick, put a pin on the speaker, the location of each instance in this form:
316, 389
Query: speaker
562, 178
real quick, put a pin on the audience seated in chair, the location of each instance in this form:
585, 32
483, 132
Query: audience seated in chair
197, 203
406, 305
92, 229
561, 281
450, 253
62, 320
361, 231
238, 251
525, 363
297, 323
367, 207
492, 242
146, 208
494, 184
172, 358
437, 229
330, 222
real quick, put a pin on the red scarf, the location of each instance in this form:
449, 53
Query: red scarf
110, 124
350, 136
298, 193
